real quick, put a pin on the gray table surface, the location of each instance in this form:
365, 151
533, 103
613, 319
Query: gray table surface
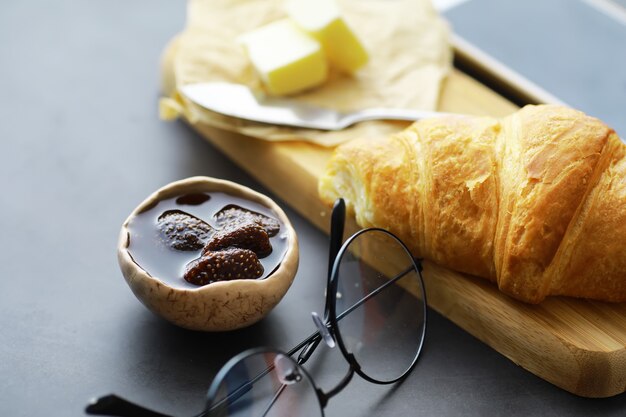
81, 146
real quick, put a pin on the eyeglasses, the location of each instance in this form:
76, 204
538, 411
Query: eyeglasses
375, 312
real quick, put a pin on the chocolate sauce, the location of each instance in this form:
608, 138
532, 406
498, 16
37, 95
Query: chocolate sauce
158, 258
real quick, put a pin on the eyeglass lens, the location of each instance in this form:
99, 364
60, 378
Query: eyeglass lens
385, 332
267, 384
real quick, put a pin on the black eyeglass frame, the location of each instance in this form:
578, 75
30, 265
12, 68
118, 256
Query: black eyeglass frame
331, 319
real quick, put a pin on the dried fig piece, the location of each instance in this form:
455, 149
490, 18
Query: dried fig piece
223, 265
247, 235
182, 231
233, 214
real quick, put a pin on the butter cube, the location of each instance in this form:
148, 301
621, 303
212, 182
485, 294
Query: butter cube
322, 19
287, 59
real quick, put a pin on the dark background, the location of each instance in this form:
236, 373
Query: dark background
81, 146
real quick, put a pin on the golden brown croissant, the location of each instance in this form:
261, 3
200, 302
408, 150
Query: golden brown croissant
535, 202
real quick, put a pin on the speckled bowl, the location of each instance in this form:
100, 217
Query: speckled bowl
219, 306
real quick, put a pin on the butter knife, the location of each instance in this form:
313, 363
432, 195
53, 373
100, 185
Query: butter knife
236, 100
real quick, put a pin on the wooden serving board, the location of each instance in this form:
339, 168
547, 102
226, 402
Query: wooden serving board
577, 345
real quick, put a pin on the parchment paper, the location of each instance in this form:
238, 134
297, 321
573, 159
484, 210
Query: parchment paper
408, 44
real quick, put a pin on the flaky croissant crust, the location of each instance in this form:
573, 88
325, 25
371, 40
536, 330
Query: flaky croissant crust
535, 202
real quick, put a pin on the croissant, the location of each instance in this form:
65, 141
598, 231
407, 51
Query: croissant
535, 202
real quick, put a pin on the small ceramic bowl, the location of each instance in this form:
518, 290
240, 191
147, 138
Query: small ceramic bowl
219, 306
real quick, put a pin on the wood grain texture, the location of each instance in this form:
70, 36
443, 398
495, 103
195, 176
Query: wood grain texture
577, 345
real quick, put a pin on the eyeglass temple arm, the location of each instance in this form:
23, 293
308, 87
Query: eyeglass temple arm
112, 405
337, 220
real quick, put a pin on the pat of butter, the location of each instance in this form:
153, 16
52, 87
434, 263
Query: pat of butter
287, 59
322, 19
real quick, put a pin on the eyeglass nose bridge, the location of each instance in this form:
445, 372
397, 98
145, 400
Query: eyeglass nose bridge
323, 330
286, 370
